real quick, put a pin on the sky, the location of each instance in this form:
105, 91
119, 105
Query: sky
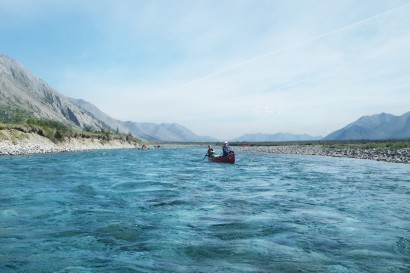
220, 68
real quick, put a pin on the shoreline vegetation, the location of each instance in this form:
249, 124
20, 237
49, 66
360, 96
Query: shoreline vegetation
39, 137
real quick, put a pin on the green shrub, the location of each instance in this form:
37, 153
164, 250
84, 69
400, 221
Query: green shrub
129, 137
59, 135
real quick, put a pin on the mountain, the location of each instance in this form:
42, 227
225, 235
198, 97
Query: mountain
23, 95
375, 127
169, 132
97, 113
145, 130
275, 137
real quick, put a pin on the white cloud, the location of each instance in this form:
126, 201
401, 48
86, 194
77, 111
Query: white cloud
267, 66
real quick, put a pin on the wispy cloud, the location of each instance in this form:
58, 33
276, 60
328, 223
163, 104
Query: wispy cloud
266, 66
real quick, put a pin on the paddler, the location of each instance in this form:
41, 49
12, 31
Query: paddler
211, 151
226, 150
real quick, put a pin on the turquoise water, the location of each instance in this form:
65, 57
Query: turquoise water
168, 211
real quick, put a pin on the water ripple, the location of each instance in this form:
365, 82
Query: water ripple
169, 211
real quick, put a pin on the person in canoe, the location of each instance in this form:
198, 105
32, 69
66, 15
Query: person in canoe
211, 151
226, 150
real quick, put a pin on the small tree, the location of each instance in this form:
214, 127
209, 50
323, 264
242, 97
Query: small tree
31, 121
129, 137
58, 135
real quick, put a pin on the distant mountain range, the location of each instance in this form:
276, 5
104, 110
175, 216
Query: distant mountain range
278, 137
375, 127
23, 95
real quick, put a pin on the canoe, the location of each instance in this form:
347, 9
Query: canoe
226, 159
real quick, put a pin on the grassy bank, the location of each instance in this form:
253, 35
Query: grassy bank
58, 132
42, 136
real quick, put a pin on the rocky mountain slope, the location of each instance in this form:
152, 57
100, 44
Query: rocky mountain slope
100, 115
375, 127
23, 95
169, 132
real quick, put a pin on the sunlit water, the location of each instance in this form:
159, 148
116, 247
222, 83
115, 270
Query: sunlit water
168, 210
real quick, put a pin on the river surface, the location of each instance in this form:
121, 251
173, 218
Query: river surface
167, 210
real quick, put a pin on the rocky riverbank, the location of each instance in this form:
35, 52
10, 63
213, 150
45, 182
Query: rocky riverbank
14, 142
379, 154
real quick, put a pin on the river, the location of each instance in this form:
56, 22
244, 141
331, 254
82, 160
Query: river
167, 210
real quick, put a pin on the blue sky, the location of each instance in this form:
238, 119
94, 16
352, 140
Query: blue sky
221, 68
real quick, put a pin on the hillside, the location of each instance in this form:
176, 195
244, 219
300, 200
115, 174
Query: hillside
100, 115
375, 127
167, 132
23, 95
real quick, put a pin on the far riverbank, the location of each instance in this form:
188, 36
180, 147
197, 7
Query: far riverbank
15, 142
394, 155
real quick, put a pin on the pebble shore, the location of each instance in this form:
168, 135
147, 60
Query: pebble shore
18, 143
379, 154
31, 143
